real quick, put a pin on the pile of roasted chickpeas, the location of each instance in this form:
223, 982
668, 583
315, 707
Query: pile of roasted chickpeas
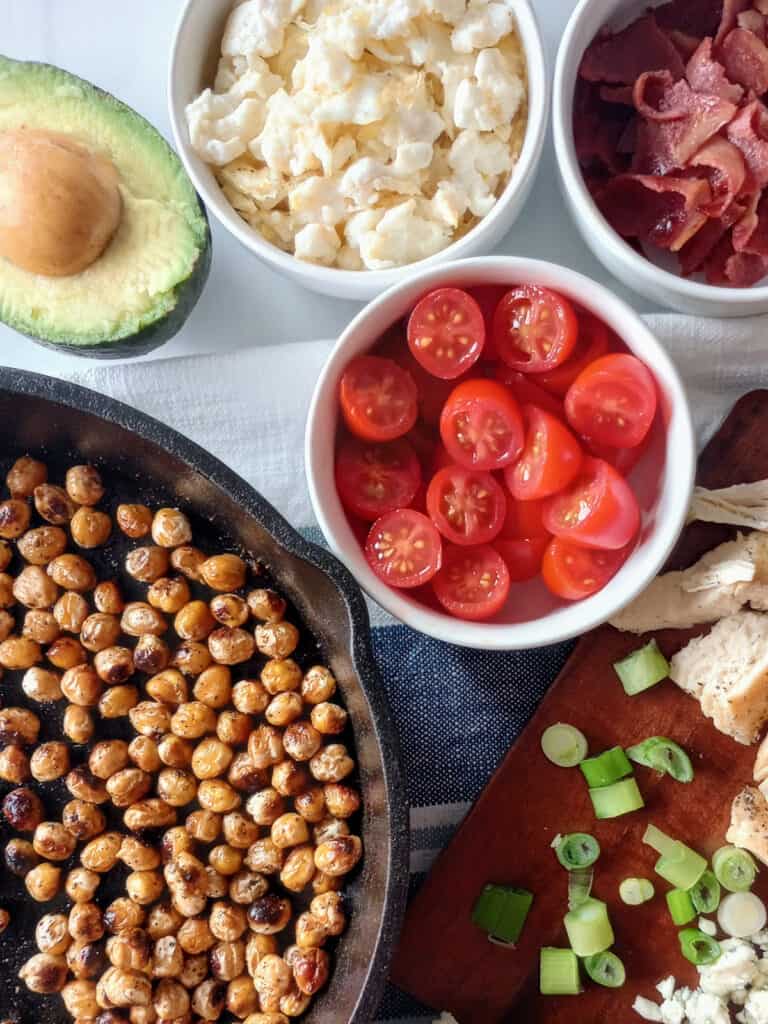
226, 802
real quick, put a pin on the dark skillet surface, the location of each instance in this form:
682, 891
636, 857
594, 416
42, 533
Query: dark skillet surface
141, 460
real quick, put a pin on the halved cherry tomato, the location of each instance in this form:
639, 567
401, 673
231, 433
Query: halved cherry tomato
446, 332
591, 343
524, 520
481, 425
550, 460
404, 548
613, 401
379, 400
527, 392
488, 296
574, 572
432, 392
376, 478
467, 506
473, 582
598, 510
522, 556
622, 459
534, 329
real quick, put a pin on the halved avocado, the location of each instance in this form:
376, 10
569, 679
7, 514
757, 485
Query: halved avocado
142, 287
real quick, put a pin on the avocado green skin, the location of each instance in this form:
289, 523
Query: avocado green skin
187, 292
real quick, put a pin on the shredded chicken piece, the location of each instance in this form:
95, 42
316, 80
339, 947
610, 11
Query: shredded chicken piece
740, 505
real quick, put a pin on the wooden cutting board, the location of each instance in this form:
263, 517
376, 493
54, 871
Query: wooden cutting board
443, 959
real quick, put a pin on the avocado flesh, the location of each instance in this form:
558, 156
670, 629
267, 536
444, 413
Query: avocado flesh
163, 240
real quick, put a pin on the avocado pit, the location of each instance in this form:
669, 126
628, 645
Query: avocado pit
59, 203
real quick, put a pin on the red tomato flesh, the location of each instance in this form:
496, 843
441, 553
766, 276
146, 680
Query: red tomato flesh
534, 329
446, 332
473, 582
522, 556
404, 548
598, 510
528, 392
573, 573
613, 401
376, 478
379, 400
524, 519
467, 506
591, 343
481, 425
550, 459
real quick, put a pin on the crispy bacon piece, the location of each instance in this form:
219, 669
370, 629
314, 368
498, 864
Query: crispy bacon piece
749, 132
750, 234
706, 74
697, 249
753, 21
727, 172
734, 269
622, 57
665, 212
745, 59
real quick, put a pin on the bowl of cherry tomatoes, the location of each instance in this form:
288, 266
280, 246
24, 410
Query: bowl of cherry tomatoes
501, 452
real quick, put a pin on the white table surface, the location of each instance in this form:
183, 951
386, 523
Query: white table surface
123, 46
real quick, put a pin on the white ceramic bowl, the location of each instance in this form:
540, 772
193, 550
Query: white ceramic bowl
670, 494
648, 278
194, 55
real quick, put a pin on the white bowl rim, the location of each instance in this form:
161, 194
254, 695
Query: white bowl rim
539, 95
590, 612
573, 182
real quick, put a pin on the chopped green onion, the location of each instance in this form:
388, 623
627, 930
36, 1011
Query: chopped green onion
642, 669
698, 948
606, 768
682, 868
564, 745
579, 886
588, 928
620, 798
606, 969
705, 895
501, 911
658, 841
577, 850
663, 755
680, 906
634, 891
735, 869
742, 914
558, 972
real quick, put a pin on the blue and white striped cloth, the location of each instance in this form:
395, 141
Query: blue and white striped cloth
457, 710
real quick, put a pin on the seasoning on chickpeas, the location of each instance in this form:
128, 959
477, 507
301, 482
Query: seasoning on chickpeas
43, 882
101, 853
147, 564
168, 687
20, 857
188, 561
318, 685
284, 708
19, 726
249, 696
82, 686
44, 973
24, 476
281, 674
108, 598
14, 764
191, 657
139, 618
151, 654
117, 701
52, 934
142, 750
214, 686
23, 809
42, 544
53, 504
81, 885
193, 720
174, 751
171, 528
19, 652
99, 631
123, 915
169, 594
83, 485
49, 761
114, 664
84, 785
72, 572
14, 518
231, 646
66, 652
204, 826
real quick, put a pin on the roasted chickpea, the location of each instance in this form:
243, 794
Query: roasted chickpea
329, 828
194, 621
39, 625
14, 518
242, 997
256, 948
33, 588
329, 719
80, 999
149, 813
5, 919
78, 724
290, 779
311, 804
19, 726
136, 1015
176, 786
223, 572
218, 885
144, 887
151, 719
23, 810
337, 856
123, 987
204, 826
81, 885
188, 561
266, 858
25, 475
139, 618
269, 914
49, 761
217, 795
169, 594
90, 528
147, 564
42, 544
83, 484
331, 763
52, 841
42, 685
53, 504
176, 840
231, 646
227, 960
142, 750
188, 882
226, 861
122, 915
138, 855
70, 611
72, 572
86, 923
84, 785
101, 853
66, 652
117, 701
100, 631
239, 830
82, 686
86, 959
295, 1002
20, 857
214, 686
211, 758
151, 654
227, 921
234, 728
299, 868
284, 708
208, 999
318, 685
44, 973
114, 665
266, 605
168, 958
277, 639
265, 747
281, 674
6, 555
130, 949
244, 777
191, 657
43, 882
7, 597
108, 757
266, 806
247, 886
250, 697
272, 979
192, 720
194, 971
341, 801
302, 741
310, 931
171, 529
168, 686
52, 934
289, 830
229, 610
163, 921
108, 598
129, 785
19, 652
175, 752
134, 520
8, 624
195, 936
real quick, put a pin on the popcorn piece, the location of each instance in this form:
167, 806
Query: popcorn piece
317, 243
258, 26
481, 27
492, 98
402, 236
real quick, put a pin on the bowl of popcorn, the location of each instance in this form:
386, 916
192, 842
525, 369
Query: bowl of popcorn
342, 143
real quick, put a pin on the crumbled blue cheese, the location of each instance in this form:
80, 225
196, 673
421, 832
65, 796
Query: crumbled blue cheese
446, 1018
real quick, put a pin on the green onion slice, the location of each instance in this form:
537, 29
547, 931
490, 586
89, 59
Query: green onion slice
734, 869
681, 908
634, 891
564, 745
663, 755
579, 886
642, 669
657, 840
705, 895
606, 768
683, 868
577, 850
589, 928
606, 969
501, 911
620, 798
558, 972
698, 948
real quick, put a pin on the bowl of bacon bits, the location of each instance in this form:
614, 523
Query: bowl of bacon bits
501, 452
661, 133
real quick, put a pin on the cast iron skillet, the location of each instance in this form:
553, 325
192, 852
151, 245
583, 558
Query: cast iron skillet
64, 424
